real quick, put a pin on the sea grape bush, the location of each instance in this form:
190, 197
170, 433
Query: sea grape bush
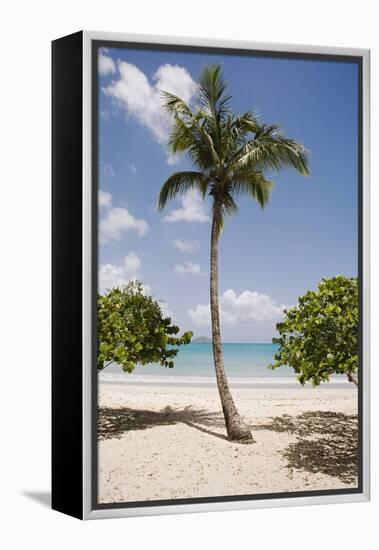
132, 330
319, 336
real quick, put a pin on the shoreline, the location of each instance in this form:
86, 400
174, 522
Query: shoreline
167, 442
210, 381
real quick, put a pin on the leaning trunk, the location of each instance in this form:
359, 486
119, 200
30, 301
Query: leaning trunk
236, 429
351, 378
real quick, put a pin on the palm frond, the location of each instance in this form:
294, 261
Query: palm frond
175, 105
215, 104
228, 205
181, 137
222, 207
270, 150
237, 132
194, 139
212, 88
253, 184
246, 123
231, 152
180, 182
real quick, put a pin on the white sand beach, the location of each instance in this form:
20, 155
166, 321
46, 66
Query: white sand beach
165, 442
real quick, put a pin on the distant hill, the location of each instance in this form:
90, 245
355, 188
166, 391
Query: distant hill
201, 340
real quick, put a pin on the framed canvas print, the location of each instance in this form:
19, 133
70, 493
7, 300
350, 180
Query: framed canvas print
210, 275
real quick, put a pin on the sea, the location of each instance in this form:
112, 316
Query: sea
245, 364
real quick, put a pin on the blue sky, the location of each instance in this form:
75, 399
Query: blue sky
267, 258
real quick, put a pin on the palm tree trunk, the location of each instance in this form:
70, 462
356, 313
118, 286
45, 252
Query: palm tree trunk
236, 429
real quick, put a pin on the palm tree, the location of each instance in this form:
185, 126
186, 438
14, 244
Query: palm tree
230, 154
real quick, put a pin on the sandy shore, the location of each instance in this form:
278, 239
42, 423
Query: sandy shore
169, 442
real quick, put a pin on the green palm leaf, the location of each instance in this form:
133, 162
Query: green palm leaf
232, 152
181, 182
176, 106
253, 184
270, 150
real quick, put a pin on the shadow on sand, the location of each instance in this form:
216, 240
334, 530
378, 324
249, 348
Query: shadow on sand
327, 442
115, 422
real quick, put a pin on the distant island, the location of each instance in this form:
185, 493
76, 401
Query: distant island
201, 340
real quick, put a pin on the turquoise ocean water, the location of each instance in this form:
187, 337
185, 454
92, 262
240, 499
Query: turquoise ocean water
194, 363
245, 365
241, 360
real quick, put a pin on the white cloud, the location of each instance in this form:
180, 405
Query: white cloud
116, 221
172, 159
176, 80
244, 308
166, 311
105, 199
186, 246
133, 168
188, 268
193, 209
111, 275
106, 65
201, 315
143, 101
